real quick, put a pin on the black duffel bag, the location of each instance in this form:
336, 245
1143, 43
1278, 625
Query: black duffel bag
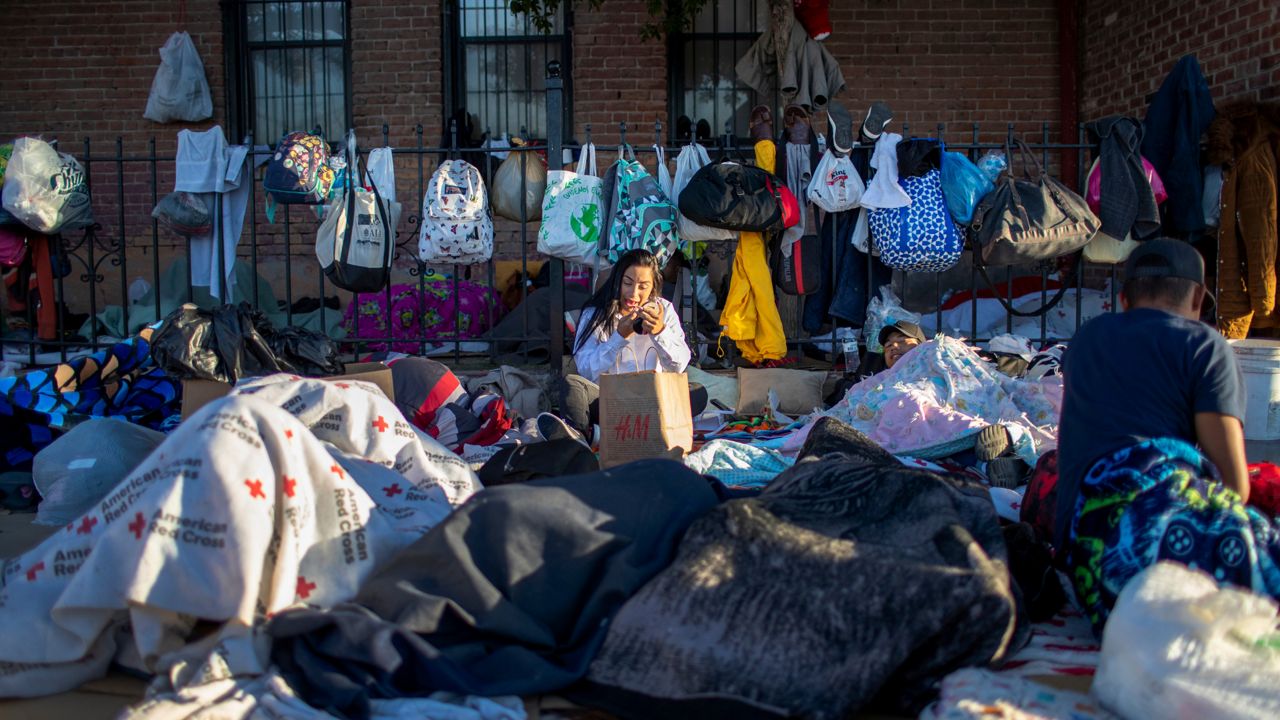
732, 196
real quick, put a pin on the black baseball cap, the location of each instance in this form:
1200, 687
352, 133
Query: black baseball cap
1165, 257
906, 327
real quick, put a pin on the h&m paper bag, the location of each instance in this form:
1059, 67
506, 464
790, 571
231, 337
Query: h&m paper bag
644, 415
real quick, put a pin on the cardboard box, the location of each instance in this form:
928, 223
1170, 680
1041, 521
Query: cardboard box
198, 393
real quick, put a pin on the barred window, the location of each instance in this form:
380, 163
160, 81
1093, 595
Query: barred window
704, 84
500, 67
290, 64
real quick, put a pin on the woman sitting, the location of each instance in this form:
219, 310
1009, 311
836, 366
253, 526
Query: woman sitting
626, 326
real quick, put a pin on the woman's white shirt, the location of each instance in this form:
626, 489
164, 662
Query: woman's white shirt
601, 354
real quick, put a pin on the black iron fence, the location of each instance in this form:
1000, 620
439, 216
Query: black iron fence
99, 265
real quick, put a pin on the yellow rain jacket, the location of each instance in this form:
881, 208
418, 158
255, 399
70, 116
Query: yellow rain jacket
750, 316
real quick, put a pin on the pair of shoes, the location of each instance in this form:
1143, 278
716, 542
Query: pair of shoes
992, 442
552, 427
878, 116
1006, 472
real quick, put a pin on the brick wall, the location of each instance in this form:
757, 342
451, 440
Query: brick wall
1129, 47
992, 62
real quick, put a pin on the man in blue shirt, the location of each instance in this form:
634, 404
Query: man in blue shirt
1143, 388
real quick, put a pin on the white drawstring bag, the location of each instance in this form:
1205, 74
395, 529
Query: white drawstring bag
691, 159
571, 212
836, 185
180, 90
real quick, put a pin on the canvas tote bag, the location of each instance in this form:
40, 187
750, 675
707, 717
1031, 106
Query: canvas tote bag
644, 415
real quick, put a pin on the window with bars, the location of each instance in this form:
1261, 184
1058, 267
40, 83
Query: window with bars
705, 87
500, 67
290, 62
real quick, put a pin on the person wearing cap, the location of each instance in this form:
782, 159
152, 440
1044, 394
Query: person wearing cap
1151, 453
899, 338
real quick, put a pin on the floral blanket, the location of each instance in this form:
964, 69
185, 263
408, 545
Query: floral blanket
936, 397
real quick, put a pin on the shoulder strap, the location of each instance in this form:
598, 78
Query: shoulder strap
1008, 306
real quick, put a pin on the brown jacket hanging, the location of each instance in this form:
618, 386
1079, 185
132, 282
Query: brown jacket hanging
1246, 145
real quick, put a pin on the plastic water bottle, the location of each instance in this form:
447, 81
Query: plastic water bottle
850, 347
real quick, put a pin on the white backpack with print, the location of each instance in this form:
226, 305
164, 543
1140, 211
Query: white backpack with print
456, 226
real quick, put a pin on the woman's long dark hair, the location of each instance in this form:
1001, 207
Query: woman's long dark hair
604, 304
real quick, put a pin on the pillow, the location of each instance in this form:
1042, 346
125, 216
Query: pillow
799, 391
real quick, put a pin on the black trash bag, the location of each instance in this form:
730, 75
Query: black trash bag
304, 352
235, 341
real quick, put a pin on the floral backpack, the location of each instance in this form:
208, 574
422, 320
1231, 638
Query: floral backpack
456, 226
299, 172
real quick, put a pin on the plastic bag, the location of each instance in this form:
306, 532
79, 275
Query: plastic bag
963, 186
76, 471
836, 185
506, 190
45, 189
179, 91
184, 213
1178, 646
992, 164
235, 341
881, 311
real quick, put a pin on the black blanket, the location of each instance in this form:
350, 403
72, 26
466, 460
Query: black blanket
511, 594
852, 581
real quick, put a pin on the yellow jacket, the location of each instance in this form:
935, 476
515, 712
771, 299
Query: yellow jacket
750, 316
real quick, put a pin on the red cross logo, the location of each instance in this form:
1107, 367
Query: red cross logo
305, 588
288, 434
86, 525
393, 490
344, 386
255, 488
337, 471
289, 485
137, 526
294, 378
381, 424
31, 574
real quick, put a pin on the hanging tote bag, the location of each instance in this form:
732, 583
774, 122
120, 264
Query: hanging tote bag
920, 237
1031, 218
571, 212
836, 185
355, 243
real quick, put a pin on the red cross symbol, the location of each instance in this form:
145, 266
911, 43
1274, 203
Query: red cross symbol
31, 574
86, 525
344, 386
289, 485
294, 378
288, 434
381, 424
392, 490
137, 526
305, 588
255, 488
337, 471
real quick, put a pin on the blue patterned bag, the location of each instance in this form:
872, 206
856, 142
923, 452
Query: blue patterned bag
920, 237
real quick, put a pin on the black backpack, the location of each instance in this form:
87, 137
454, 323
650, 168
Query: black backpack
734, 197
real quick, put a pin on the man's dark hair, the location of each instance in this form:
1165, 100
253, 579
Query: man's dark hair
1166, 290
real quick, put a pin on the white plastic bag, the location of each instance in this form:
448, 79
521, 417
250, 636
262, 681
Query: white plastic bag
691, 159
881, 311
179, 91
1178, 646
509, 192
571, 211
45, 189
836, 185
381, 171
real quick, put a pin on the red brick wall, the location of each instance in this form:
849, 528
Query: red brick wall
938, 61
1129, 47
